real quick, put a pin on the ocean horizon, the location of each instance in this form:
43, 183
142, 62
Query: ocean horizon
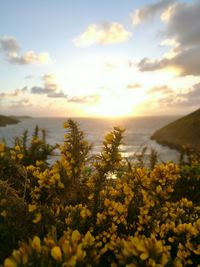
137, 135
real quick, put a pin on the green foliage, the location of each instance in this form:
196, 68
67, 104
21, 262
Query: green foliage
188, 185
37, 150
100, 210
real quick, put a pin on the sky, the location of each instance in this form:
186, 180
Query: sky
116, 58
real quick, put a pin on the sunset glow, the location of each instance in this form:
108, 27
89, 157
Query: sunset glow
99, 59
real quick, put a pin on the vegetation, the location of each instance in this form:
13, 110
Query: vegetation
100, 210
4, 120
183, 133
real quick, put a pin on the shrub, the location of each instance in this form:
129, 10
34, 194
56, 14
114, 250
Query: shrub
98, 211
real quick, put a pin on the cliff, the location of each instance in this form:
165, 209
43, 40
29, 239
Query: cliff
182, 132
4, 120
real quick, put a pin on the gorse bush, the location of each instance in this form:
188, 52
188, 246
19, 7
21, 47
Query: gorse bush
100, 210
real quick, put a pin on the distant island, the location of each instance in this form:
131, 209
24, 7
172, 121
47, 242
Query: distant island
184, 132
6, 120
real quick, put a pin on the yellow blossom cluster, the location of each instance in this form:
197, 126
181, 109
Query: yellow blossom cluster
99, 211
2, 149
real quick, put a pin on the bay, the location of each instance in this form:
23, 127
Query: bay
138, 131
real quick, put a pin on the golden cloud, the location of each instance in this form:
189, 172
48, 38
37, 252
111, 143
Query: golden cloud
108, 33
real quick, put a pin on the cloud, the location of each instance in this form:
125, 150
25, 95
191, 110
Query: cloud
22, 103
150, 65
49, 81
187, 62
192, 97
50, 92
49, 88
28, 77
133, 86
170, 99
149, 11
11, 49
183, 24
84, 99
164, 90
29, 57
57, 95
9, 44
14, 93
104, 34
110, 66
39, 90
182, 29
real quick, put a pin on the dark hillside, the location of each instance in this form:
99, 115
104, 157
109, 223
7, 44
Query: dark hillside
182, 132
4, 120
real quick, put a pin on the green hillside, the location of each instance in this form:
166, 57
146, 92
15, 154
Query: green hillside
182, 132
4, 120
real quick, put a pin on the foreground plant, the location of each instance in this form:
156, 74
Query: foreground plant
100, 210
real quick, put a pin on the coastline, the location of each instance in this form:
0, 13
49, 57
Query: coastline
8, 120
182, 134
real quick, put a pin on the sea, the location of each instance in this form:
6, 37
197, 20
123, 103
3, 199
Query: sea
137, 135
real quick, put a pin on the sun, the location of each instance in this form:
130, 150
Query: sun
113, 105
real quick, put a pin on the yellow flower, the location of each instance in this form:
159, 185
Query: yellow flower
144, 255
31, 207
17, 148
177, 263
38, 217
158, 189
2, 147
24, 258
61, 185
36, 244
80, 253
88, 239
56, 253
3, 213
17, 255
20, 156
66, 125
9, 263
75, 236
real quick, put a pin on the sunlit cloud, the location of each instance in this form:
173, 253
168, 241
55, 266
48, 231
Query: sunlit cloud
149, 11
21, 103
167, 13
148, 73
88, 99
50, 81
29, 57
133, 86
184, 63
110, 66
104, 34
163, 90
183, 24
165, 98
182, 33
50, 87
11, 50
59, 94
16, 92
192, 97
